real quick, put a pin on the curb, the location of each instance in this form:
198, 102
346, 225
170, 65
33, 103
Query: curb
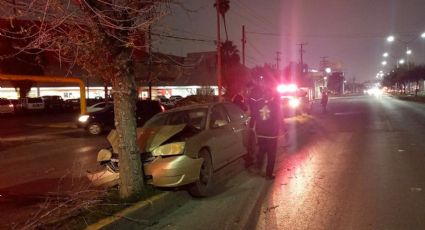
140, 214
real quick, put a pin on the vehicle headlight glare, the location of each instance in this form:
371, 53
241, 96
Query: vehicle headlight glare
294, 102
83, 118
171, 149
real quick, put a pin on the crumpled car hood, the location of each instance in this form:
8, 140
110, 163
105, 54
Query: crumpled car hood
148, 138
151, 138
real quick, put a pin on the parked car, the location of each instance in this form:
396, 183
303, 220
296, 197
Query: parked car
6, 106
97, 122
185, 146
30, 104
175, 98
72, 104
98, 106
53, 102
167, 103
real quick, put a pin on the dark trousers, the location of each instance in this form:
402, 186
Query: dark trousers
267, 146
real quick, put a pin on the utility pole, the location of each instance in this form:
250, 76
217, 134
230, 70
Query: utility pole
219, 83
277, 59
301, 57
243, 44
150, 62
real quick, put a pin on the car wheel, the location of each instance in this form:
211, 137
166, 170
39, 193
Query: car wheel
201, 188
94, 128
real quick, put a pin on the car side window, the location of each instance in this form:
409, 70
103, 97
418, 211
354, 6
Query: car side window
235, 114
100, 105
218, 117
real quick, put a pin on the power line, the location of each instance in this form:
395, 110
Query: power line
253, 13
253, 59
168, 29
246, 18
256, 49
355, 35
184, 38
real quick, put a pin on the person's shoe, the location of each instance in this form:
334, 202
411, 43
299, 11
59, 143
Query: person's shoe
270, 177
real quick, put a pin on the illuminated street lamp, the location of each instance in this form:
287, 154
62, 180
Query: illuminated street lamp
384, 63
390, 38
401, 61
423, 35
408, 52
385, 55
328, 70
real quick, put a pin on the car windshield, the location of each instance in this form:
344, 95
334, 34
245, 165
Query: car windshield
195, 117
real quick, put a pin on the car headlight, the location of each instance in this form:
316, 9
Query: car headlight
294, 102
83, 118
171, 149
104, 155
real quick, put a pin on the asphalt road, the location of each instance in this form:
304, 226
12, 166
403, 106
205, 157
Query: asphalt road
360, 166
38, 162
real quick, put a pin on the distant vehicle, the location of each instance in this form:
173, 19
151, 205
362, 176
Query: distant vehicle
185, 146
175, 98
6, 106
97, 122
72, 104
98, 106
53, 102
295, 100
30, 104
167, 103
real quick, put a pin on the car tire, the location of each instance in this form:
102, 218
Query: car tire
201, 188
94, 129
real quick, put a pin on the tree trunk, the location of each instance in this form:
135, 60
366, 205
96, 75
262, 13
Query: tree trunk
225, 27
124, 90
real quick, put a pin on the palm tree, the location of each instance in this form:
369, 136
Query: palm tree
229, 53
223, 8
234, 77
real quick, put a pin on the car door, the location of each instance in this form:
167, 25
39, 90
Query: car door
107, 117
239, 124
223, 136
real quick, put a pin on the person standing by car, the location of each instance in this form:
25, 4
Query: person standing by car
324, 100
239, 100
254, 98
267, 129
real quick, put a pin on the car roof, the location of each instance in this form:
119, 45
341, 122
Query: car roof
195, 106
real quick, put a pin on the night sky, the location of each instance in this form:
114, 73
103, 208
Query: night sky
350, 32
